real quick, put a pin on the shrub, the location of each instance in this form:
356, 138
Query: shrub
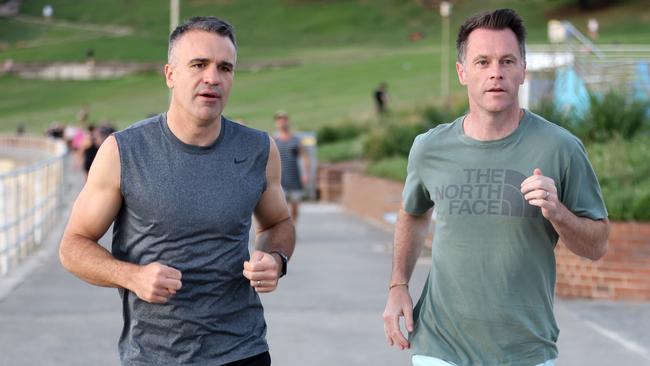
623, 170
340, 151
609, 115
341, 131
391, 168
396, 135
613, 114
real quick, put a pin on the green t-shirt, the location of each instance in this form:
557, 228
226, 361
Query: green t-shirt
489, 296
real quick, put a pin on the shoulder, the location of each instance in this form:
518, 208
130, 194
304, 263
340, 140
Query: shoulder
246, 139
138, 129
103, 171
432, 138
144, 124
242, 131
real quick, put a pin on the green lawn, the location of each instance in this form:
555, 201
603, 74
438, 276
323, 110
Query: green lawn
344, 49
319, 91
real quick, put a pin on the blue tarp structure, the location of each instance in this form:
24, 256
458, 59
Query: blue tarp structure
570, 93
642, 83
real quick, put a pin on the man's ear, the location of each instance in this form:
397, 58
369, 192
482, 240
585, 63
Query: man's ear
460, 70
169, 75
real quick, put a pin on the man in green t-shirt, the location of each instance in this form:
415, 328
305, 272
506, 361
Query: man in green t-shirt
505, 185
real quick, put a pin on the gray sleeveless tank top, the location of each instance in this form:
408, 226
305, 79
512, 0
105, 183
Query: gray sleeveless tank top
190, 207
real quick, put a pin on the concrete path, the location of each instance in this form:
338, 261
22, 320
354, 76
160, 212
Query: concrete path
326, 312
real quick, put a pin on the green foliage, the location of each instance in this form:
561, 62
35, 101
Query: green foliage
340, 151
611, 115
395, 134
623, 170
390, 168
346, 130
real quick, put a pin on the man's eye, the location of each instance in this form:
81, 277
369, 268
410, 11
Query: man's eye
197, 66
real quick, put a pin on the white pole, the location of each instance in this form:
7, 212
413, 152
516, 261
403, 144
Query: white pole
174, 14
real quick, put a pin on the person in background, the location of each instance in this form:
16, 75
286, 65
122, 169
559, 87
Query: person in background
292, 153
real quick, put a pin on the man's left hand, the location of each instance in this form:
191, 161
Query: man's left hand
263, 270
540, 191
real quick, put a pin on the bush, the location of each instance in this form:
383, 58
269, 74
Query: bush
395, 137
339, 132
392, 140
623, 170
613, 114
391, 168
340, 151
609, 115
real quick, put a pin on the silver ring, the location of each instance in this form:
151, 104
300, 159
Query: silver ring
259, 283
547, 195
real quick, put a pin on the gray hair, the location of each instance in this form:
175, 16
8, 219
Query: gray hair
208, 24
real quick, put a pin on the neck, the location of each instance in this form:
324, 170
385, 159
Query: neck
192, 131
484, 126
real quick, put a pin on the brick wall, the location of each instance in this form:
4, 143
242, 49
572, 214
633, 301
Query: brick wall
329, 179
623, 273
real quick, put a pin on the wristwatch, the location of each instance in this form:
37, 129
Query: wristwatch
284, 259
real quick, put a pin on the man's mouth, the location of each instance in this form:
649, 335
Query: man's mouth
496, 90
209, 95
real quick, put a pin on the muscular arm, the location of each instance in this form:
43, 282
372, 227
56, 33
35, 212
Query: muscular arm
92, 214
410, 233
275, 230
583, 236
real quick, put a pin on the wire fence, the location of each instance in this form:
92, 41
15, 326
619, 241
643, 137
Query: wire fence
30, 197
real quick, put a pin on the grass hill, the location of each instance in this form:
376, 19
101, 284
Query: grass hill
343, 50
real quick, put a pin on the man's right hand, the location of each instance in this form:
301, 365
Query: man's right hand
156, 283
399, 304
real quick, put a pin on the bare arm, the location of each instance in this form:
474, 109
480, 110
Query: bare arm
583, 236
92, 214
410, 233
275, 230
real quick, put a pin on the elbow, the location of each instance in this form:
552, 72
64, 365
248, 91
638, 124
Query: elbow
599, 251
64, 253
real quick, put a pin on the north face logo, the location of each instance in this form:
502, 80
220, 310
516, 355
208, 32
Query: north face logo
486, 192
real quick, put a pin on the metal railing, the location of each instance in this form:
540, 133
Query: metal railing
30, 197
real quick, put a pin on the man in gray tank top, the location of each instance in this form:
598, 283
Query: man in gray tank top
181, 188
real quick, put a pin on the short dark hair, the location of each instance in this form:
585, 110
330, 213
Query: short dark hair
208, 24
495, 20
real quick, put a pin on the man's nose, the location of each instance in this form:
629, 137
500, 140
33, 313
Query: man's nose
496, 71
211, 75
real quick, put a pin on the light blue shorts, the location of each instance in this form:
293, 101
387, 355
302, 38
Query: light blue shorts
419, 360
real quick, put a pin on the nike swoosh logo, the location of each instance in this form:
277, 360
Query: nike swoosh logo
239, 161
